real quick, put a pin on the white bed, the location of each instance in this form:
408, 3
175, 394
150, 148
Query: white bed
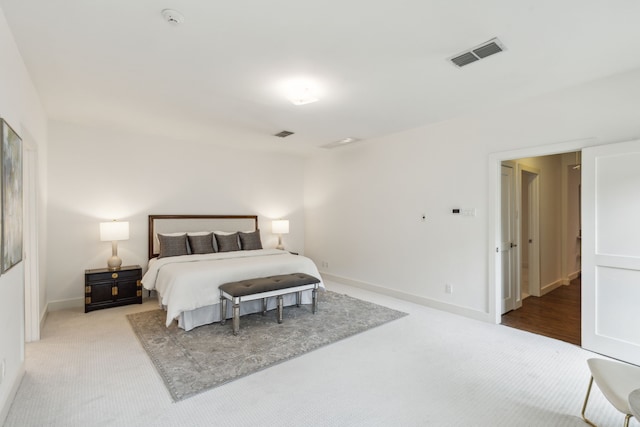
187, 285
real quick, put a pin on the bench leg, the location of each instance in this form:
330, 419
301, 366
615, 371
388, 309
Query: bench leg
236, 316
279, 308
223, 310
264, 306
298, 298
314, 297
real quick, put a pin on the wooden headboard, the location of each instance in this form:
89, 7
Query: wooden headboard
194, 223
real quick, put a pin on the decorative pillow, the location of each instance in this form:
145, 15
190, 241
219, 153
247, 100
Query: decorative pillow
250, 241
201, 243
228, 242
172, 245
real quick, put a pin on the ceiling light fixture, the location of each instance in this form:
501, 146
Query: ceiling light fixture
340, 143
302, 96
300, 91
173, 17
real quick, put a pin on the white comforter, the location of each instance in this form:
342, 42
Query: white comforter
188, 282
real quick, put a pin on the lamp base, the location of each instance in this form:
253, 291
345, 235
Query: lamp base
280, 245
114, 263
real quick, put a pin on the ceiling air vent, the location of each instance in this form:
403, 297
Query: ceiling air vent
283, 134
489, 48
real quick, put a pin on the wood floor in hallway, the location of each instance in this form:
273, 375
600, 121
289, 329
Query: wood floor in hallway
555, 315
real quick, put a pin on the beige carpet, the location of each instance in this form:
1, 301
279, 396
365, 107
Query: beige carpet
427, 369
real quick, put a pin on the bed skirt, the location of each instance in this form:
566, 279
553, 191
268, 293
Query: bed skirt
211, 313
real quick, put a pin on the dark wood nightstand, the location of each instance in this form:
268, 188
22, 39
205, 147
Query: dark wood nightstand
104, 288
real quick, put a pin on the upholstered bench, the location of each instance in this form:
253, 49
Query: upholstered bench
263, 288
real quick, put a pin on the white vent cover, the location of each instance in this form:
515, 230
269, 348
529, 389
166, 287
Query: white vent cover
477, 53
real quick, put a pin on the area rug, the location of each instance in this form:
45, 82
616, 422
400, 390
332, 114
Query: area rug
210, 356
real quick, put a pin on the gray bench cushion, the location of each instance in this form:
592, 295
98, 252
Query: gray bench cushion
266, 284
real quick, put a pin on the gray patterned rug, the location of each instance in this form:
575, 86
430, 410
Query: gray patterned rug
209, 356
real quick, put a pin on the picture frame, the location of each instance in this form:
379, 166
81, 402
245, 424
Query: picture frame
11, 223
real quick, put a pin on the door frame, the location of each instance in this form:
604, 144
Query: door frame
493, 209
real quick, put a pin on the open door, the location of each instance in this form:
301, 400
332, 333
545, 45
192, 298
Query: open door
530, 230
611, 250
507, 239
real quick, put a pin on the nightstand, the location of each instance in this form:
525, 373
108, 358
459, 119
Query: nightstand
104, 288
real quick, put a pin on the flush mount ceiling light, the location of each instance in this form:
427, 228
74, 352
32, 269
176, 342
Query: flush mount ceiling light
303, 96
301, 91
173, 17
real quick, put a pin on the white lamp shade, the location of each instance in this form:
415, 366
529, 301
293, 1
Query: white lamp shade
114, 230
280, 226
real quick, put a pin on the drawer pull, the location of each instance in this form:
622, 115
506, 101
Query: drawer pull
139, 293
114, 275
114, 291
139, 283
87, 289
87, 300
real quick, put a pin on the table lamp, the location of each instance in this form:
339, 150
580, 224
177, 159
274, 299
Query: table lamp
113, 231
280, 227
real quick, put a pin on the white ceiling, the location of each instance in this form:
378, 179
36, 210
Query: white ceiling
382, 64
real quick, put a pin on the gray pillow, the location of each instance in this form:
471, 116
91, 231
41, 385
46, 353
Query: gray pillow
172, 245
201, 244
250, 241
227, 243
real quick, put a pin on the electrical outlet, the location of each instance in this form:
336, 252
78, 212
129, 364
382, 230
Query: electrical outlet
448, 289
325, 264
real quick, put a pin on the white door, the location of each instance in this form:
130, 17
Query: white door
530, 246
611, 250
507, 250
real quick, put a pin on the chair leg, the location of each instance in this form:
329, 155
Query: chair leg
626, 420
584, 406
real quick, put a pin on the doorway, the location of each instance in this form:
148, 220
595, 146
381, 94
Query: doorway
546, 242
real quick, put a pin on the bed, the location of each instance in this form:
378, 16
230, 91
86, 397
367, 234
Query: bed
187, 282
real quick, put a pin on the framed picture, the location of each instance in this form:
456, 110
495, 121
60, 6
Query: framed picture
11, 170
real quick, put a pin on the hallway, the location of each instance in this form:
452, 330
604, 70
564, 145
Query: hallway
555, 315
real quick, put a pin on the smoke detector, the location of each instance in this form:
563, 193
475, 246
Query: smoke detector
173, 17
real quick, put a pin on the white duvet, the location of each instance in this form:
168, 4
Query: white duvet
188, 282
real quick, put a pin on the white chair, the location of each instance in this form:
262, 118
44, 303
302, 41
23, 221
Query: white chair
616, 381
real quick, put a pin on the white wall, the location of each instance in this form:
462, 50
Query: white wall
364, 202
21, 108
101, 174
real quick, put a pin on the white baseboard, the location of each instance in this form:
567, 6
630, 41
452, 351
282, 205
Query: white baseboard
551, 286
65, 304
43, 317
567, 280
4, 410
439, 305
